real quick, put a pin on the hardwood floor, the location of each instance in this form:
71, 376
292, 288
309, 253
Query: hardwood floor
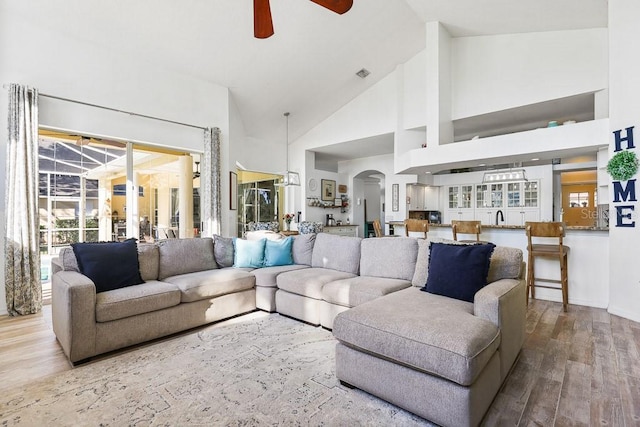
580, 368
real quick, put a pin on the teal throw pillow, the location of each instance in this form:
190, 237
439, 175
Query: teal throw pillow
249, 253
458, 271
278, 252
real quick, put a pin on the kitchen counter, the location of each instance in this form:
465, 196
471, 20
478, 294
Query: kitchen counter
588, 258
342, 230
505, 227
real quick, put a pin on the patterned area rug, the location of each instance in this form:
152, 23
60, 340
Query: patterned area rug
258, 369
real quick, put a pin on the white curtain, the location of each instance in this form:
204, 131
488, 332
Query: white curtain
22, 251
210, 183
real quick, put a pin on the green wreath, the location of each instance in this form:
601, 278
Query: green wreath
623, 165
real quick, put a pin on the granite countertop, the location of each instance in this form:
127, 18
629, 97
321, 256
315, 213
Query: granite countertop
343, 225
511, 227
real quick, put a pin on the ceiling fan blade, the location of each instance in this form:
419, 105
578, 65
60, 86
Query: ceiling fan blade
262, 23
337, 6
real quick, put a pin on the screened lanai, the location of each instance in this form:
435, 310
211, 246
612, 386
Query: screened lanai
87, 193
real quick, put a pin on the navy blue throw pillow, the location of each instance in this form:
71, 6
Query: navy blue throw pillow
458, 271
110, 265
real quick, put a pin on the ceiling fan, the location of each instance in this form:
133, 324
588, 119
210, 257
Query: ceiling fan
263, 24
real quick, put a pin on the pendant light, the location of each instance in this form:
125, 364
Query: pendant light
289, 177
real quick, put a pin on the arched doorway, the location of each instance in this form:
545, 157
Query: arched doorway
368, 199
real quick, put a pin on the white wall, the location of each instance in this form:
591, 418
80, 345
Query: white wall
414, 94
372, 113
494, 73
57, 65
624, 86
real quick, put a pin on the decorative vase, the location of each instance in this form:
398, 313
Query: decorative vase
287, 226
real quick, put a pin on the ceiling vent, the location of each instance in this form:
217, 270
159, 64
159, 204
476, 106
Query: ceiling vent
363, 73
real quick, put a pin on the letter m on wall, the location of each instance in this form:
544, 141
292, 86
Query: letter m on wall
625, 194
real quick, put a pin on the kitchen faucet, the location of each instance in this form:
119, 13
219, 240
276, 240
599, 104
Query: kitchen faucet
499, 214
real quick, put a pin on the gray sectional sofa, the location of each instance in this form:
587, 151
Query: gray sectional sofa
438, 357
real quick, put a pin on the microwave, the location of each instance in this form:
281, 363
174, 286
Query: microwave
434, 217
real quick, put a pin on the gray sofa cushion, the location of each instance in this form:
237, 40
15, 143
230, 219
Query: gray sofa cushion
506, 263
137, 299
308, 282
223, 250
149, 259
266, 276
430, 333
337, 253
422, 260
212, 283
360, 289
181, 256
391, 257
303, 248
69, 261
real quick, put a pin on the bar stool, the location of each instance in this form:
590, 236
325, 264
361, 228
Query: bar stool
377, 228
466, 227
416, 226
554, 251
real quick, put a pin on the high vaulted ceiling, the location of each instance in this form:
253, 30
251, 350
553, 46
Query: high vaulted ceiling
308, 67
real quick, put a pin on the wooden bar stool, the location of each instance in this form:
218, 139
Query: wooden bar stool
557, 251
377, 228
466, 227
416, 226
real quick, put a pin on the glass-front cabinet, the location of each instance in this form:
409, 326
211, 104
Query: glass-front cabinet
489, 200
460, 202
522, 202
509, 203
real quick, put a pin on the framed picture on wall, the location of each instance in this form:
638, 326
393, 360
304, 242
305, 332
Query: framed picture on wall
395, 197
328, 190
233, 191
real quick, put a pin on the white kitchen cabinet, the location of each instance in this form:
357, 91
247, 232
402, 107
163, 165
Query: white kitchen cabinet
522, 202
489, 200
432, 198
460, 197
459, 215
416, 196
521, 215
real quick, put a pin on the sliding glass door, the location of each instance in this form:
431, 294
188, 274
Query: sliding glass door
100, 190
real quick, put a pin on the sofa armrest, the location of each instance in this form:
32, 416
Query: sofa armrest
73, 307
503, 303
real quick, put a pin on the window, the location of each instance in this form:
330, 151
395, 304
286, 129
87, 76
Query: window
579, 200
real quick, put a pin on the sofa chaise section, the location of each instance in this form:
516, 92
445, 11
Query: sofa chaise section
438, 357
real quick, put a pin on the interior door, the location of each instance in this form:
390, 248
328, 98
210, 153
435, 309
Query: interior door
579, 204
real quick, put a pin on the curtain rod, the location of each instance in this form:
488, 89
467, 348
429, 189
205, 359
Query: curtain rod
131, 113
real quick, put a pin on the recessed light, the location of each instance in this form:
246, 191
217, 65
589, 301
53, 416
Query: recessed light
535, 159
428, 172
363, 73
482, 164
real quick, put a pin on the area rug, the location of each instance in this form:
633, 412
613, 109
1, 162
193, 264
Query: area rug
261, 369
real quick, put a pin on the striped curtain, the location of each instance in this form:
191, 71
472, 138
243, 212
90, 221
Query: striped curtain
22, 249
